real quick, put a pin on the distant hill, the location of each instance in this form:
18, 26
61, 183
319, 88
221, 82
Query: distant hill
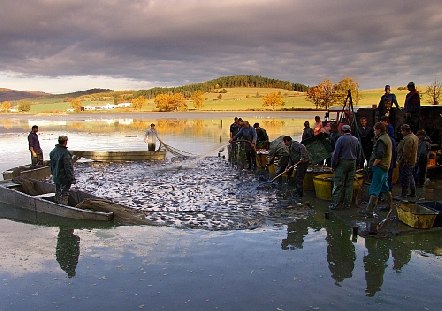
11, 95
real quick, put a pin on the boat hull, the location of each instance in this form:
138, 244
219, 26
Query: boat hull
41, 201
122, 155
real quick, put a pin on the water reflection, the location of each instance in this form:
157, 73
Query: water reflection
67, 250
340, 251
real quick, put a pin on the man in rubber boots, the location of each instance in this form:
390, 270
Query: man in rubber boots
344, 160
379, 164
407, 158
62, 170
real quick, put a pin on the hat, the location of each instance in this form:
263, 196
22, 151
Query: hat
405, 127
411, 86
421, 133
346, 128
387, 87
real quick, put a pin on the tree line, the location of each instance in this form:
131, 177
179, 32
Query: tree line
224, 82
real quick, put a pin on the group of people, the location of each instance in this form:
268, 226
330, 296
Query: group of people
251, 139
61, 161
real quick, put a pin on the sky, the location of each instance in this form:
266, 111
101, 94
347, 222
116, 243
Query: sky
61, 46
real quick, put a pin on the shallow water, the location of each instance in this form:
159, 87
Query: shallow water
281, 256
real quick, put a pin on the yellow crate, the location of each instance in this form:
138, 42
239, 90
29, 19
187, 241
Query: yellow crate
416, 216
323, 184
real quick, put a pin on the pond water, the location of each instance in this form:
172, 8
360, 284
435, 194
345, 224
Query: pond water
224, 243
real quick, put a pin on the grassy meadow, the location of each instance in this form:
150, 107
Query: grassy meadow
235, 99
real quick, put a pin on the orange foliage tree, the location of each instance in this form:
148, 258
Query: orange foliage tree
170, 102
273, 100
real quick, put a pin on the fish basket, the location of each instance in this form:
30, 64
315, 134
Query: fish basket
323, 185
416, 216
313, 171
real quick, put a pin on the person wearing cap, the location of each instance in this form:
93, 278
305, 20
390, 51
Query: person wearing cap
62, 170
423, 152
386, 102
34, 147
344, 160
379, 164
406, 159
412, 107
150, 137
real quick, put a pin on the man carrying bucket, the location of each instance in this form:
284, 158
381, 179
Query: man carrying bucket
344, 160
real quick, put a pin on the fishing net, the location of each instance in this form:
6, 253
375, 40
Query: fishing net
176, 152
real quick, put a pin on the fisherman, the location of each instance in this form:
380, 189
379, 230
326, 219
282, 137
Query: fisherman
390, 132
300, 158
262, 141
62, 170
34, 147
407, 158
150, 137
412, 107
423, 152
318, 128
248, 135
379, 164
365, 134
233, 148
278, 150
345, 157
386, 103
332, 138
308, 132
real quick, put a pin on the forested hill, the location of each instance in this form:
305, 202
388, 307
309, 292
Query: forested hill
226, 82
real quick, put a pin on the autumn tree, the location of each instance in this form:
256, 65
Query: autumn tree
433, 92
24, 106
138, 103
341, 90
75, 104
198, 99
170, 102
273, 100
323, 94
314, 95
5, 106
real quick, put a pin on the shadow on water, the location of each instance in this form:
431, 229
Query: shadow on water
67, 250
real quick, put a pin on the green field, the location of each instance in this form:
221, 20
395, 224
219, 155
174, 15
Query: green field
235, 99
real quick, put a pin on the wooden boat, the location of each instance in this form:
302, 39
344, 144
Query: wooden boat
39, 196
141, 155
40, 172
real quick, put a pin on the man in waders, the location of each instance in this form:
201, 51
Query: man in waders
407, 158
34, 147
299, 157
344, 160
379, 164
150, 137
62, 170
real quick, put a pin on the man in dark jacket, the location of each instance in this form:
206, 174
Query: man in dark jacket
412, 107
62, 170
386, 103
365, 134
34, 147
299, 157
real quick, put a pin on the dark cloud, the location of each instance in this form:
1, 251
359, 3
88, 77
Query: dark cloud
172, 42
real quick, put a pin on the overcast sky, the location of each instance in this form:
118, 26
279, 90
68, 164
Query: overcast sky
60, 46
